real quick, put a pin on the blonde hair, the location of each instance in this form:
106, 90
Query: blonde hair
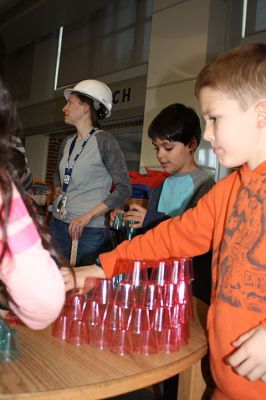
239, 72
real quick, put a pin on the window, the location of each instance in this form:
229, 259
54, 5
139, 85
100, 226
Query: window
255, 17
110, 39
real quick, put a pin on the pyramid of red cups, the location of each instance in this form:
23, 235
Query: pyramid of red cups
145, 310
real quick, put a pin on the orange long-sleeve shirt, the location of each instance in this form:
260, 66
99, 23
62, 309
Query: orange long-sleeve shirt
230, 219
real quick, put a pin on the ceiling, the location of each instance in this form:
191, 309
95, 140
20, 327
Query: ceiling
6, 5
24, 21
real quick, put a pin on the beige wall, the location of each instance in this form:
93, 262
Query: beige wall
178, 51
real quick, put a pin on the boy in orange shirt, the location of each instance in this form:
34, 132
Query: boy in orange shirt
230, 219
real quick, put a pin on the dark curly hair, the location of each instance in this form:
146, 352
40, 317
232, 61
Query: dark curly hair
176, 123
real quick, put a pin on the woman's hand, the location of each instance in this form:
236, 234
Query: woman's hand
78, 223
76, 226
81, 273
136, 213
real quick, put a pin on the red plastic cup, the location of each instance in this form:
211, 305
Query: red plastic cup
75, 306
175, 315
122, 343
149, 295
138, 273
103, 292
93, 313
170, 294
139, 320
134, 271
182, 269
183, 292
125, 295
180, 314
162, 273
183, 332
115, 317
78, 333
61, 325
168, 340
101, 337
161, 319
145, 343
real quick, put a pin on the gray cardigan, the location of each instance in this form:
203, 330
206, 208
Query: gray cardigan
100, 165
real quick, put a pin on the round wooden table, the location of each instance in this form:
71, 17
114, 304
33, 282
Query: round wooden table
50, 369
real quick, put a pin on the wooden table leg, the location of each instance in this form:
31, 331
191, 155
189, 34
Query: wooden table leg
191, 385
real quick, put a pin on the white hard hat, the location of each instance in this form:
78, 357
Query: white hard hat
98, 91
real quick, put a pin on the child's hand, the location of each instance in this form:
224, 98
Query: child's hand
81, 273
136, 213
249, 360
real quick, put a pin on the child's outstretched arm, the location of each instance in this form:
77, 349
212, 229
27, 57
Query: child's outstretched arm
249, 359
81, 273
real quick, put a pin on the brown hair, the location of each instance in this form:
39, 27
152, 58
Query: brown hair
94, 117
239, 72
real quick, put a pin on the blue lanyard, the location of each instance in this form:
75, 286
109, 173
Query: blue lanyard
68, 170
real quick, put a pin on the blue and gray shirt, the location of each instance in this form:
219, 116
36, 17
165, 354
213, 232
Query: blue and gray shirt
176, 194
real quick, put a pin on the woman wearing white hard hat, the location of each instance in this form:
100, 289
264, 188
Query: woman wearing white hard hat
89, 162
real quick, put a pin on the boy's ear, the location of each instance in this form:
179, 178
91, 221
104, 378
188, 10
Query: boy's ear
193, 144
261, 114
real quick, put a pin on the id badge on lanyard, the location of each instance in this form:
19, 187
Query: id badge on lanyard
62, 198
61, 205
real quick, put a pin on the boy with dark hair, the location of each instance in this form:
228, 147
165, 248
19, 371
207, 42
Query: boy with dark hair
175, 133
230, 219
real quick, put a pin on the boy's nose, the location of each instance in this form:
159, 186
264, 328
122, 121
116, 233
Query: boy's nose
160, 152
208, 133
